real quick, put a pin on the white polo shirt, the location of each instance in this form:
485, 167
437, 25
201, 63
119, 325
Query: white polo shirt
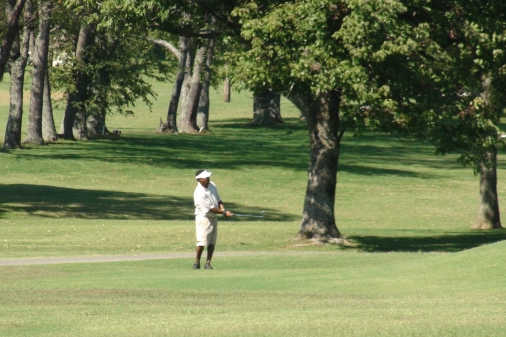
205, 198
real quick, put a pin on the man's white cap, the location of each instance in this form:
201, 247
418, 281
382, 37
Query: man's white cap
204, 174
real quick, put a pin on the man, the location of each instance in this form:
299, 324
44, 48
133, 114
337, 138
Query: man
207, 205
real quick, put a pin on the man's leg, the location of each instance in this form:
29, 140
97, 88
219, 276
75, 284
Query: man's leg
198, 255
210, 251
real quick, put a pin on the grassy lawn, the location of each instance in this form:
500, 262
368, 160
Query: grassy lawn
325, 294
417, 268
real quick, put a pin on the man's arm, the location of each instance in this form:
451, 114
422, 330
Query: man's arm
221, 209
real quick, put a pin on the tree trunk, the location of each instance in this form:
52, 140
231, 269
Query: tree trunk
489, 216
13, 11
18, 65
48, 127
189, 109
80, 129
226, 90
203, 107
38, 75
76, 98
266, 108
322, 113
186, 85
171, 124
95, 125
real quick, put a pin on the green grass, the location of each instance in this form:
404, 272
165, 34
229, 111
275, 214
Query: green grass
417, 268
328, 294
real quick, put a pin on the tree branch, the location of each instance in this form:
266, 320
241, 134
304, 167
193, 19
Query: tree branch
167, 45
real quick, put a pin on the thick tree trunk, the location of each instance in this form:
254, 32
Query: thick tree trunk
186, 85
76, 98
322, 112
18, 65
226, 90
266, 108
13, 130
203, 107
189, 109
48, 127
13, 12
39, 72
80, 129
171, 124
489, 216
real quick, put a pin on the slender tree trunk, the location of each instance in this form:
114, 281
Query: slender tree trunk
226, 90
38, 75
203, 107
76, 98
171, 124
18, 65
318, 220
266, 108
48, 127
13, 12
489, 216
189, 109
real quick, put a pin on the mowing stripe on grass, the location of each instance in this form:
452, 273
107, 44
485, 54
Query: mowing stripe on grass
137, 257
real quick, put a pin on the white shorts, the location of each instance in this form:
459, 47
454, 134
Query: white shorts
206, 230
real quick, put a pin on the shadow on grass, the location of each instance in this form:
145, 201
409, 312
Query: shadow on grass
62, 202
441, 243
233, 144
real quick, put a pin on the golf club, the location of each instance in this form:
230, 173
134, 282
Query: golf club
250, 215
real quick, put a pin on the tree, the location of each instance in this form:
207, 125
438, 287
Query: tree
48, 126
19, 60
192, 82
108, 65
328, 58
13, 12
204, 102
39, 61
192, 87
79, 88
473, 37
451, 88
182, 55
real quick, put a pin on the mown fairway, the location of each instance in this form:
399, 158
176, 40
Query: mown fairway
417, 269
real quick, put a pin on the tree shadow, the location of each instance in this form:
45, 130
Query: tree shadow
381, 171
63, 202
289, 125
279, 146
441, 243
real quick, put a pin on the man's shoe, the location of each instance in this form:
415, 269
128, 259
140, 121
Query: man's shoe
196, 266
208, 266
